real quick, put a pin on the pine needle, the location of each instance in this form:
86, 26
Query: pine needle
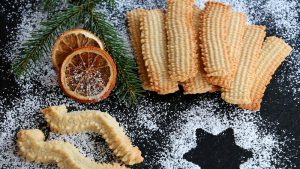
129, 85
41, 39
50, 5
81, 13
110, 3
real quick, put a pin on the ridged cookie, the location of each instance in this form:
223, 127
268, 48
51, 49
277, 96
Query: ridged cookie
94, 121
236, 30
154, 49
199, 83
133, 19
274, 51
214, 44
182, 54
240, 88
33, 147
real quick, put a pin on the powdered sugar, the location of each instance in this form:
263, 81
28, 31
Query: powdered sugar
166, 124
247, 135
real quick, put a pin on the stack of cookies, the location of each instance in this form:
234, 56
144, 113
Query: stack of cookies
204, 51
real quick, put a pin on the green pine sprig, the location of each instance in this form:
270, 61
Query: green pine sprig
128, 84
50, 5
42, 39
81, 13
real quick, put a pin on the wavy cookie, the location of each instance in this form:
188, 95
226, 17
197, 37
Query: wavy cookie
154, 48
94, 121
133, 18
181, 41
199, 83
33, 147
236, 30
213, 39
239, 90
274, 51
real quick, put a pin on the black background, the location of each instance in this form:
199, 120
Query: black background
277, 106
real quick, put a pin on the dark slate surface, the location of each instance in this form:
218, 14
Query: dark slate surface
276, 107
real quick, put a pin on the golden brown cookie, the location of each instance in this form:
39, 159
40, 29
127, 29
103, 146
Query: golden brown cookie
33, 147
199, 83
236, 30
214, 45
133, 18
239, 90
181, 41
154, 49
94, 121
274, 51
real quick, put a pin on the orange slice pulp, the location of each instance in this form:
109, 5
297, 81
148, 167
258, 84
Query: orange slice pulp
69, 41
88, 75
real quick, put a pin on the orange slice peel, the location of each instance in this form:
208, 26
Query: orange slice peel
69, 41
88, 75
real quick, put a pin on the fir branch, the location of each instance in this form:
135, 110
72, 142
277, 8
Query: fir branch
110, 3
80, 12
129, 85
49, 4
52, 5
41, 39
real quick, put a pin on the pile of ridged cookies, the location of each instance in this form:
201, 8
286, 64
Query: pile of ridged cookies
204, 51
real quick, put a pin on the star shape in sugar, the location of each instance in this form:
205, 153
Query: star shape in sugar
217, 151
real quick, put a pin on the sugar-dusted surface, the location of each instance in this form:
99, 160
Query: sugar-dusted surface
163, 127
246, 131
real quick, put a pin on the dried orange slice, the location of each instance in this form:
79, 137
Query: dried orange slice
70, 40
88, 75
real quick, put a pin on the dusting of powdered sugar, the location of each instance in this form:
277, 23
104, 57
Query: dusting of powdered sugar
246, 132
169, 125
